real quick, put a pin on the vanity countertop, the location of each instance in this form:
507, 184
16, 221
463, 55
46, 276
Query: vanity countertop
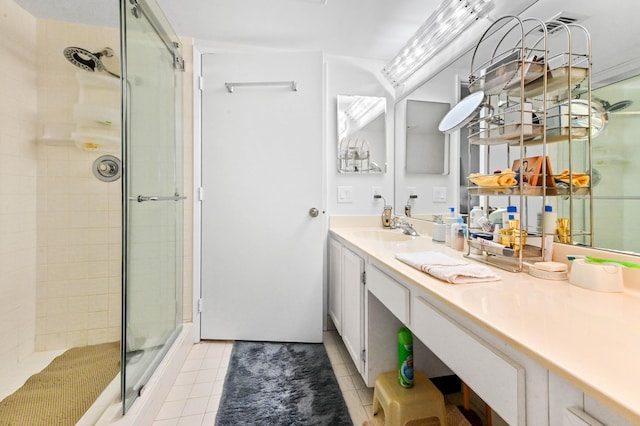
590, 339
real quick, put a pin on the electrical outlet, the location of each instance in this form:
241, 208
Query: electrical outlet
439, 194
375, 190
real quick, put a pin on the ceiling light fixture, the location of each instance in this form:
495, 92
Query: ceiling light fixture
445, 24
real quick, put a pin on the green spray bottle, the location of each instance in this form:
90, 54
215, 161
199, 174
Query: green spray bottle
405, 358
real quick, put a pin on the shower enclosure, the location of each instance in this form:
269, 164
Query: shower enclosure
89, 259
152, 192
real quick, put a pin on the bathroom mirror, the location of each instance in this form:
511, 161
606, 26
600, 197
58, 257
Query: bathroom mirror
615, 158
361, 134
615, 154
427, 148
615, 150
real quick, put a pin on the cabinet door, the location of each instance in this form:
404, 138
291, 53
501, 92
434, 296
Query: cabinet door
335, 284
353, 290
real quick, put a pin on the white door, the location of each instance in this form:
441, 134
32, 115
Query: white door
262, 174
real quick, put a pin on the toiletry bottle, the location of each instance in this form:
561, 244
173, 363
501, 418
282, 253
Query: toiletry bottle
386, 216
405, 358
507, 233
448, 221
549, 221
511, 210
459, 243
475, 214
453, 232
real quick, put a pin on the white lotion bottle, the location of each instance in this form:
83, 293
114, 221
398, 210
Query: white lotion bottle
549, 221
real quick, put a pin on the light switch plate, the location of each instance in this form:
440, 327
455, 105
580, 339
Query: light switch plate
439, 194
345, 194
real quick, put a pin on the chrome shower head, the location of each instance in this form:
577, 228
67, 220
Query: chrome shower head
88, 61
618, 106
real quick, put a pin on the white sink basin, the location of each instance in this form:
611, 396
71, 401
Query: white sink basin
382, 235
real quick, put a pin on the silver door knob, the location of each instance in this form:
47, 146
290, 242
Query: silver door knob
313, 212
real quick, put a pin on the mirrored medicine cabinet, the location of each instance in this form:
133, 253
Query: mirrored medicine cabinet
427, 148
361, 123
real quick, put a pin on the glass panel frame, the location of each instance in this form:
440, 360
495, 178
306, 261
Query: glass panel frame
152, 186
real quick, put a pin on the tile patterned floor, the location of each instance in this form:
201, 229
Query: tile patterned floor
195, 395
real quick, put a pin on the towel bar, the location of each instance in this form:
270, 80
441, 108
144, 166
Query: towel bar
293, 84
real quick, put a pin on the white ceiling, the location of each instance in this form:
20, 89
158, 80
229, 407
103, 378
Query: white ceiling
373, 29
362, 28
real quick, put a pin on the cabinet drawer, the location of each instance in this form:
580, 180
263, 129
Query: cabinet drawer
392, 294
496, 379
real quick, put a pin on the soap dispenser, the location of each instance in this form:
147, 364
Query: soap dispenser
387, 212
407, 207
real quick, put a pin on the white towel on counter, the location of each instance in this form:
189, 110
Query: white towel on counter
447, 268
463, 274
425, 259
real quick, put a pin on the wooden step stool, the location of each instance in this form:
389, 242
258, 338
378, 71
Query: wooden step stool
401, 405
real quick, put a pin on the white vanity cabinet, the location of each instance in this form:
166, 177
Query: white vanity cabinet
528, 348
346, 298
568, 403
498, 380
353, 306
335, 283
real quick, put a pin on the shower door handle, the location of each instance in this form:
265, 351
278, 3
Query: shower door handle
141, 198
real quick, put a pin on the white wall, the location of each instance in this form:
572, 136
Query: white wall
355, 76
442, 88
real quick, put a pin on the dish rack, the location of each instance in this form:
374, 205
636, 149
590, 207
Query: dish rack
529, 80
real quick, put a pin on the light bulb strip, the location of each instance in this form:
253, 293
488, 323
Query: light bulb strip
441, 28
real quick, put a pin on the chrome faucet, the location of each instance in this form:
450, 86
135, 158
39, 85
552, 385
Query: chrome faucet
406, 227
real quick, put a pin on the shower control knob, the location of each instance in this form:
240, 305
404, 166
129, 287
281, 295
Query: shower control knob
313, 212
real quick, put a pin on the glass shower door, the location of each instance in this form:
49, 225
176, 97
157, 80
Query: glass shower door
152, 187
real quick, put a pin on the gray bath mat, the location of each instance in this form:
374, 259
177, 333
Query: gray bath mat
281, 384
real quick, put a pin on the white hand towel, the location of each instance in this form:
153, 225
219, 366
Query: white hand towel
424, 259
446, 268
464, 274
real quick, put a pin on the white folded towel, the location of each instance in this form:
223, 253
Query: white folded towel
464, 274
425, 259
446, 268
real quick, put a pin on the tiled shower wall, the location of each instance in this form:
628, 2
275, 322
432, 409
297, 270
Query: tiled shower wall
18, 168
79, 231
60, 226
